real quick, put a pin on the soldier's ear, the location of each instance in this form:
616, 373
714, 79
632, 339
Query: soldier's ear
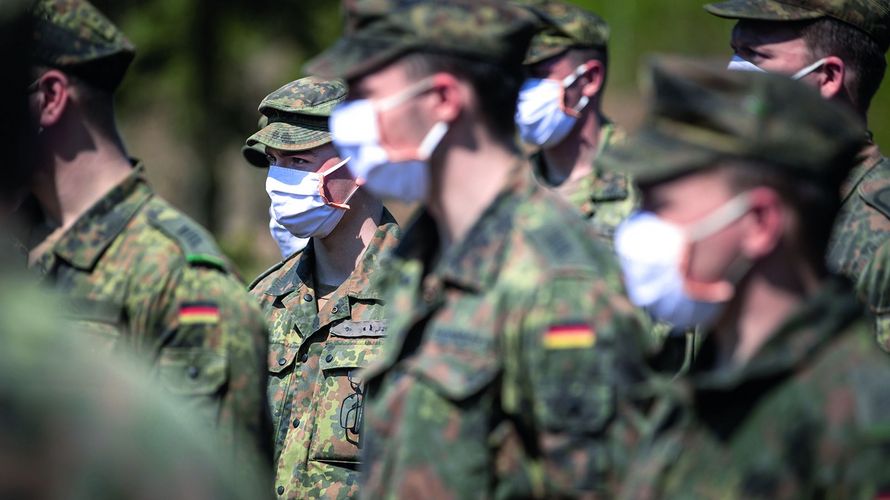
766, 225
832, 76
595, 78
51, 95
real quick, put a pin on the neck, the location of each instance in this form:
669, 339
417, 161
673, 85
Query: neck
772, 292
75, 172
573, 158
339, 253
468, 175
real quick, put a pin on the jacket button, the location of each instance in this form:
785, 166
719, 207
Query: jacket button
304, 358
307, 297
335, 309
280, 490
193, 372
282, 361
296, 423
329, 358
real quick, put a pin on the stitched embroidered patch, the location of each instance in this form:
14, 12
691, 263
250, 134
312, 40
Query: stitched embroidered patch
573, 336
203, 313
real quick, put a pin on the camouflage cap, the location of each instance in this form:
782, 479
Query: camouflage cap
870, 16
487, 30
566, 27
253, 151
74, 36
297, 117
700, 115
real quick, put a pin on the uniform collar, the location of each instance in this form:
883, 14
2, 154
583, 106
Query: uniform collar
474, 262
868, 159
821, 318
84, 243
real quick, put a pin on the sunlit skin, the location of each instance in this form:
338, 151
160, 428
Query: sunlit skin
776, 277
573, 157
778, 48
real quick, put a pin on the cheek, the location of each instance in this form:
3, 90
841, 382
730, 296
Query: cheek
401, 129
710, 258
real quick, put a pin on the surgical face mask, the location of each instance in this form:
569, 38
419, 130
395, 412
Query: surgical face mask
300, 202
356, 133
288, 244
655, 258
541, 115
739, 64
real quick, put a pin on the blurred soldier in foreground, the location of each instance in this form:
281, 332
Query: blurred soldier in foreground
326, 318
560, 111
74, 425
788, 398
136, 272
255, 154
507, 322
838, 47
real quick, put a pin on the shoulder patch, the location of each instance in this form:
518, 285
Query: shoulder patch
197, 244
275, 267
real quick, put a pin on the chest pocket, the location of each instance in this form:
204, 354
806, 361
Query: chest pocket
340, 397
102, 320
196, 375
458, 364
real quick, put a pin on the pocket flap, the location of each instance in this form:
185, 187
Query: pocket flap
457, 375
93, 311
281, 356
350, 329
191, 371
348, 355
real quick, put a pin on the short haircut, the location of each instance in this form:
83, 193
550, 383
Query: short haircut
496, 85
862, 55
809, 199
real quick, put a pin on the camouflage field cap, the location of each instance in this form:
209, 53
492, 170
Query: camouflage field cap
253, 151
74, 36
566, 27
699, 115
870, 16
297, 117
487, 30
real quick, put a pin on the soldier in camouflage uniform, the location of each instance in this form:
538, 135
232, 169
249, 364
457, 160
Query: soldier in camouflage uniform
788, 398
136, 272
326, 317
573, 52
507, 318
846, 41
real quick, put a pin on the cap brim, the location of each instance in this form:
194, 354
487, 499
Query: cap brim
290, 137
353, 56
650, 157
541, 50
764, 10
255, 154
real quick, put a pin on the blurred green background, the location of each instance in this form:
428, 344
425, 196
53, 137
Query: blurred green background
202, 67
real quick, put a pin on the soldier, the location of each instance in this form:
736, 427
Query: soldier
838, 47
560, 111
255, 154
326, 317
137, 273
506, 317
788, 396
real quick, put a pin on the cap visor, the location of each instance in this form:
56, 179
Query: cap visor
351, 57
650, 157
289, 137
764, 10
255, 154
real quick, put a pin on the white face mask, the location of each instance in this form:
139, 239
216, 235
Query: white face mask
298, 202
288, 244
739, 64
654, 256
355, 132
540, 112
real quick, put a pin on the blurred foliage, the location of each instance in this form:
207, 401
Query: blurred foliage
203, 66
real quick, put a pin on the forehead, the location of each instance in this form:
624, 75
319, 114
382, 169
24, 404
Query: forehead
560, 64
688, 190
758, 33
380, 82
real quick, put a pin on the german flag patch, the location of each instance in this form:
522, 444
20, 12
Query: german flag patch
199, 313
571, 336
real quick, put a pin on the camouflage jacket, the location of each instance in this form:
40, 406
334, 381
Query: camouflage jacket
314, 393
806, 417
85, 426
500, 369
860, 244
139, 275
604, 198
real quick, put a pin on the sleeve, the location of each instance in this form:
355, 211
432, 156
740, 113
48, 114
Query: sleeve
873, 287
580, 346
213, 357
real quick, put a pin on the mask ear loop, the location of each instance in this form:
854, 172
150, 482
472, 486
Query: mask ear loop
321, 182
809, 69
567, 82
720, 291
